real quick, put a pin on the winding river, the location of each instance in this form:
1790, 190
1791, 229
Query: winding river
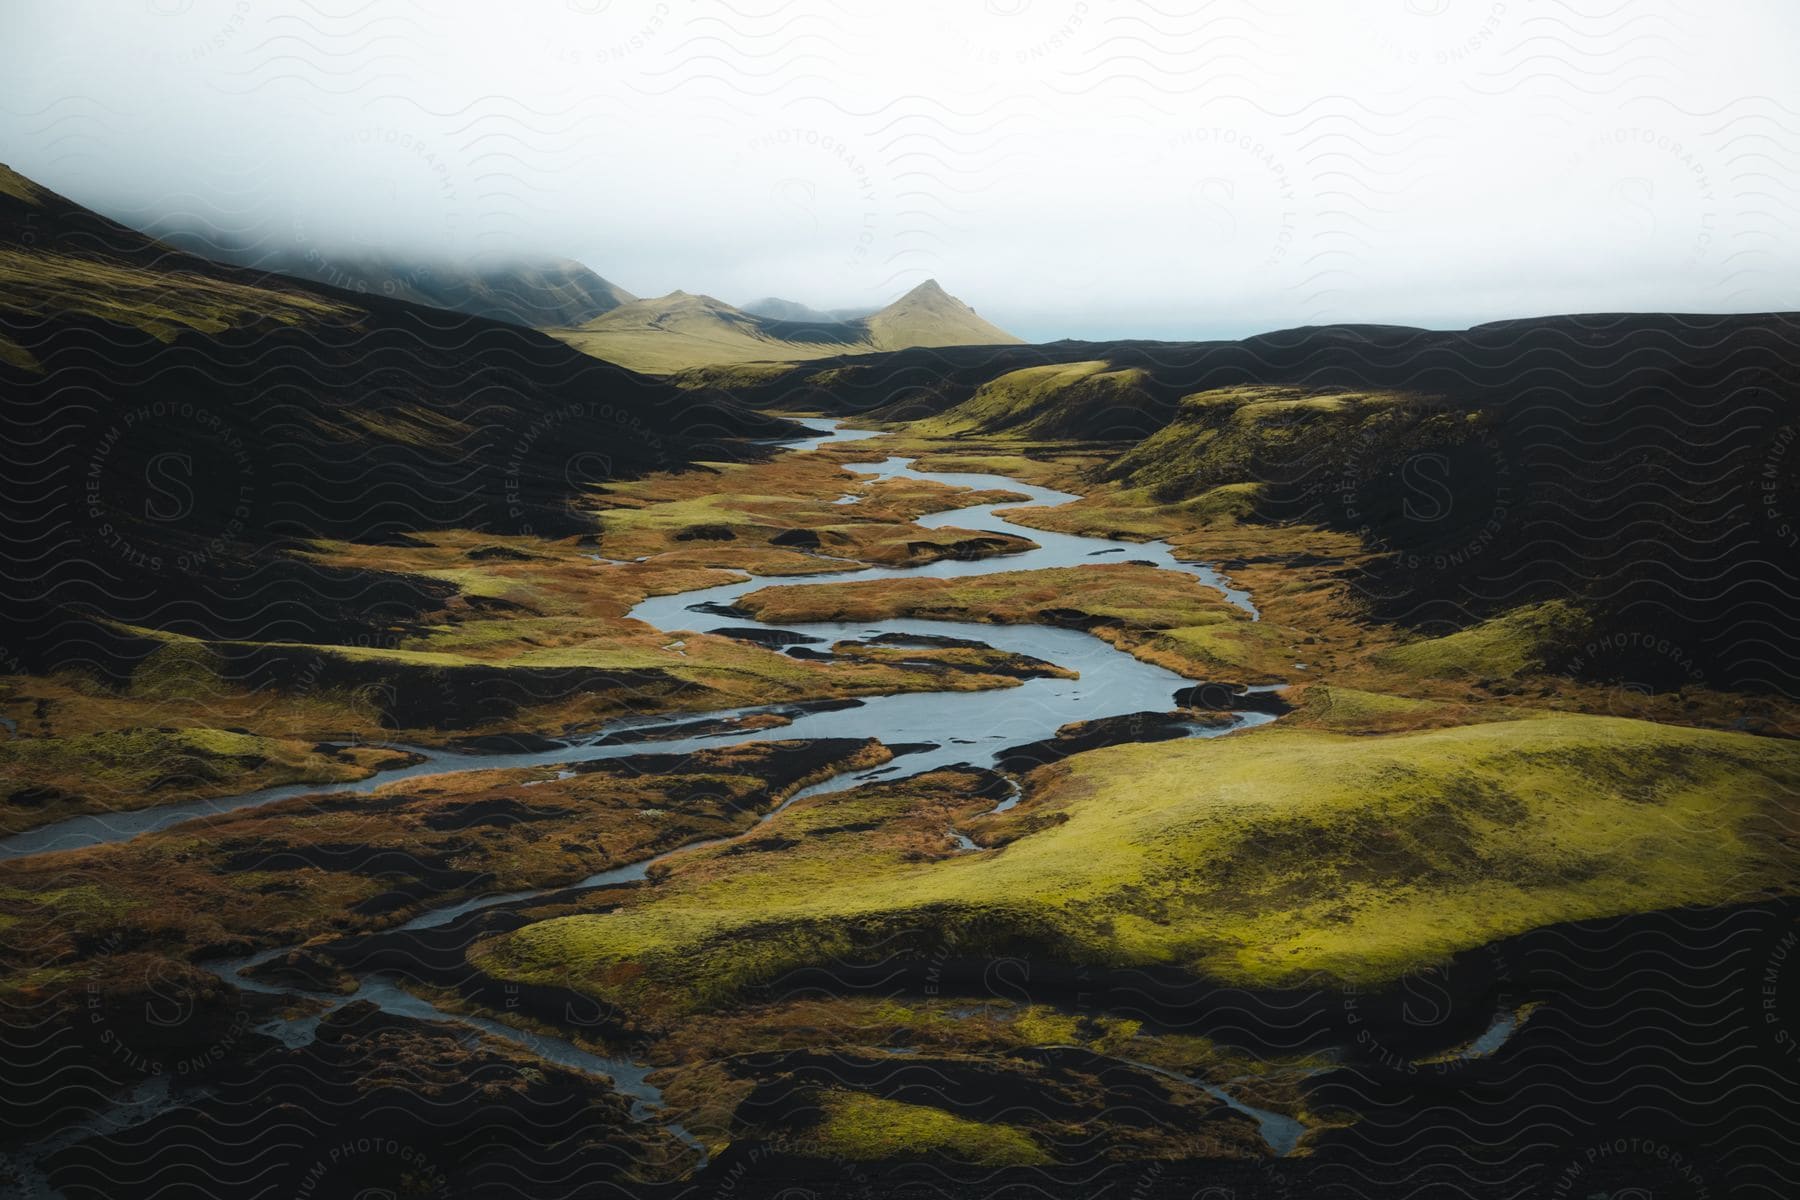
1111, 682
955, 727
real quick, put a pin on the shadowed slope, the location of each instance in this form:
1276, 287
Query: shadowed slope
536, 294
1643, 465
171, 423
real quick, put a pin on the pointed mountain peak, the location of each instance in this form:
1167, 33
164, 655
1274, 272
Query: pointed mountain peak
930, 316
929, 290
692, 302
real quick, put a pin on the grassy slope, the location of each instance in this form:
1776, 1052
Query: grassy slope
668, 333
1528, 639
538, 293
929, 316
1088, 399
159, 302
143, 382
1259, 859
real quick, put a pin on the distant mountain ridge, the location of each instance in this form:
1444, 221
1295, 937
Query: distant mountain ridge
537, 293
679, 331
658, 335
778, 309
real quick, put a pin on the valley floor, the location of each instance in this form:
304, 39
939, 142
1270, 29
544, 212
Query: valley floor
884, 819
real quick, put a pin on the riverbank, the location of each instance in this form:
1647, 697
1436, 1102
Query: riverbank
950, 910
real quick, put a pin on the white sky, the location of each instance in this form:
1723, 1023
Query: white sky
1085, 168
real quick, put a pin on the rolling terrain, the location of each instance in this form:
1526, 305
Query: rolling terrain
1637, 467
1352, 761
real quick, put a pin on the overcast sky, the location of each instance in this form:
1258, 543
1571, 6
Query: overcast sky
1083, 168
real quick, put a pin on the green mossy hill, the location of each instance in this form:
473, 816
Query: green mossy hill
864, 1128
1281, 857
1277, 434
1349, 710
1084, 399
731, 375
1534, 638
16, 186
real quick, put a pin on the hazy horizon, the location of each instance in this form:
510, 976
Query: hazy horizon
1070, 168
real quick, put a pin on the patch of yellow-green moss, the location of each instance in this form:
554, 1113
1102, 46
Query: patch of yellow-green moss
1524, 640
1261, 859
865, 1128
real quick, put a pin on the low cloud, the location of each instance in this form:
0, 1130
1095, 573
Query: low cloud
1070, 167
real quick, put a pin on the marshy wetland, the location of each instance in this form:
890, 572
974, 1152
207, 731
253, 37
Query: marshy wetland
908, 815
